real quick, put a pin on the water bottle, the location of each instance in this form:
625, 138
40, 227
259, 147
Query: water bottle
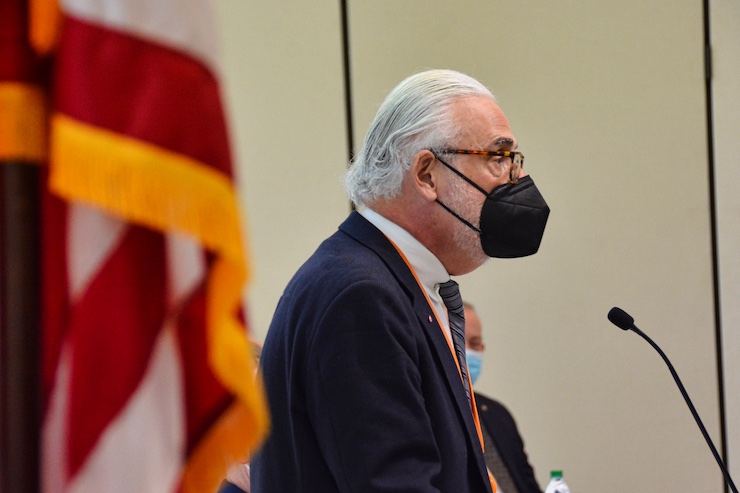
557, 484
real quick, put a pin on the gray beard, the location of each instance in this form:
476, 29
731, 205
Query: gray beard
463, 202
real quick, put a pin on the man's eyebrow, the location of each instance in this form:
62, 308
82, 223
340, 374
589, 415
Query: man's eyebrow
503, 141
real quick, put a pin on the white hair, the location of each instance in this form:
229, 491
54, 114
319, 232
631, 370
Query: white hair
414, 116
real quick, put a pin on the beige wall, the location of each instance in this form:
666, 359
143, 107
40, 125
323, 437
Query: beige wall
607, 101
284, 88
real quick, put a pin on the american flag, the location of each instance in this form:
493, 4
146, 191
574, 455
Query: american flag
148, 381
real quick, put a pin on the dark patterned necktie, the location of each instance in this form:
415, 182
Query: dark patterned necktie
450, 293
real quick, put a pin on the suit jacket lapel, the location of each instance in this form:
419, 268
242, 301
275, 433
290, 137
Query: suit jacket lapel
366, 233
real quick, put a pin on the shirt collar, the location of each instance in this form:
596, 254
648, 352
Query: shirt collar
427, 266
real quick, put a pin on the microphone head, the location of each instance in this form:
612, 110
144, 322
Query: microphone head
621, 318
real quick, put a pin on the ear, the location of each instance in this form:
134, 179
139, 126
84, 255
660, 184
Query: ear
423, 173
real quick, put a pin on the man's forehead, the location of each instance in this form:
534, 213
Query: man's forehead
483, 124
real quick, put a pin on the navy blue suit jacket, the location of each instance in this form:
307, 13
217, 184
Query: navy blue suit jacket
364, 393
502, 428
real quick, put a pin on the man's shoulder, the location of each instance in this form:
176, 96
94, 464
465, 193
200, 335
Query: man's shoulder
486, 404
357, 252
342, 259
482, 398
356, 264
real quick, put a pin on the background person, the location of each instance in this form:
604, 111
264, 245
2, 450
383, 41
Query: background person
504, 452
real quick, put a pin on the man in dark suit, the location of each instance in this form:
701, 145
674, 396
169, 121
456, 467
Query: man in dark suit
365, 390
504, 447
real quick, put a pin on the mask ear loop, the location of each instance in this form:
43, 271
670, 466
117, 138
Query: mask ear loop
471, 182
458, 173
466, 223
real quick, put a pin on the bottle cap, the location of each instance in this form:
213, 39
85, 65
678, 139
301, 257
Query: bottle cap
556, 474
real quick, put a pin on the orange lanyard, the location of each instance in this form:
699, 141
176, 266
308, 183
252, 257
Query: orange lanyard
474, 407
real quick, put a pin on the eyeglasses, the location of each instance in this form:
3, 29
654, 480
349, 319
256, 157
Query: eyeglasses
513, 159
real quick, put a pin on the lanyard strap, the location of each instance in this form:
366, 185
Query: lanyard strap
474, 407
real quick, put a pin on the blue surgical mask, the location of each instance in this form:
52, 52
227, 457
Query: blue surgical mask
475, 362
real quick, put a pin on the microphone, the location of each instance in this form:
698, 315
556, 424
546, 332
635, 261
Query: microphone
621, 318
624, 321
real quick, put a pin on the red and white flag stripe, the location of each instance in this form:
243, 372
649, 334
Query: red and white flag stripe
129, 427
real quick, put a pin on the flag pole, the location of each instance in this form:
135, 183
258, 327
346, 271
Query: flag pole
20, 307
19, 328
